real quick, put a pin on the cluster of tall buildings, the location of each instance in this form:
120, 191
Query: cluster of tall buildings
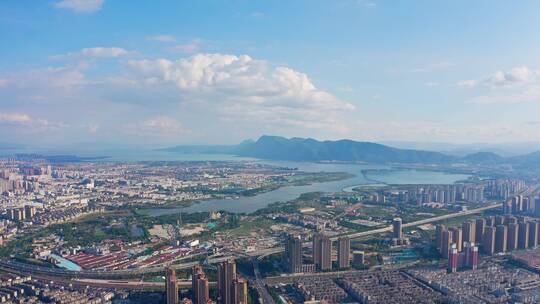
509, 233
322, 247
199, 286
459, 245
30, 171
503, 188
10, 185
21, 214
450, 194
444, 194
497, 234
467, 258
231, 288
292, 259
322, 253
520, 204
22, 179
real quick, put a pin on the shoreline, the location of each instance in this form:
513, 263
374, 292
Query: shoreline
186, 204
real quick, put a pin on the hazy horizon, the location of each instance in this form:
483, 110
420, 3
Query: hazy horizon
106, 148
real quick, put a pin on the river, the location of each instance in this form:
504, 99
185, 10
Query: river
253, 203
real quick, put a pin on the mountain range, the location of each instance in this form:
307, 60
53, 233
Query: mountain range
308, 149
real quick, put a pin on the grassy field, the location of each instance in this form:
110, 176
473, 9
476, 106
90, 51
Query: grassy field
247, 227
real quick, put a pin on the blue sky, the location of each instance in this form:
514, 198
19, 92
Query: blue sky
171, 72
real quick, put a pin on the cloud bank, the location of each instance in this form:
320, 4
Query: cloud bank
164, 98
244, 88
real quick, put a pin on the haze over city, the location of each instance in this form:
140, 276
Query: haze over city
192, 72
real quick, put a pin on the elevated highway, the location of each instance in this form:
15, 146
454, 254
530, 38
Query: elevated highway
10, 265
355, 235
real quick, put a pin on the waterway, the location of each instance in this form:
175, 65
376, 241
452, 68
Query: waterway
253, 203
374, 177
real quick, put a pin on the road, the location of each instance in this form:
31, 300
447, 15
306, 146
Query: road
100, 274
259, 284
355, 235
106, 278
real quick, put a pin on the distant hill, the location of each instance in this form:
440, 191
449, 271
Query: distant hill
307, 149
528, 160
484, 158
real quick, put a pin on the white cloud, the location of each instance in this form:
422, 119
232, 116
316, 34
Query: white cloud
94, 52
431, 84
163, 124
467, 83
15, 118
45, 87
101, 52
243, 89
80, 6
162, 38
45, 79
204, 92
93, 128
188, 48
156, 127
52, 77
530, 94
246, 89
516, 76
242, 78
517, 85
27, 121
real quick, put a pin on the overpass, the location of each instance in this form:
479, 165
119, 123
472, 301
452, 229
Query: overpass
11, 265
355, 235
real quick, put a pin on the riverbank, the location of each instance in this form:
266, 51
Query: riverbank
300, 179
253, 203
